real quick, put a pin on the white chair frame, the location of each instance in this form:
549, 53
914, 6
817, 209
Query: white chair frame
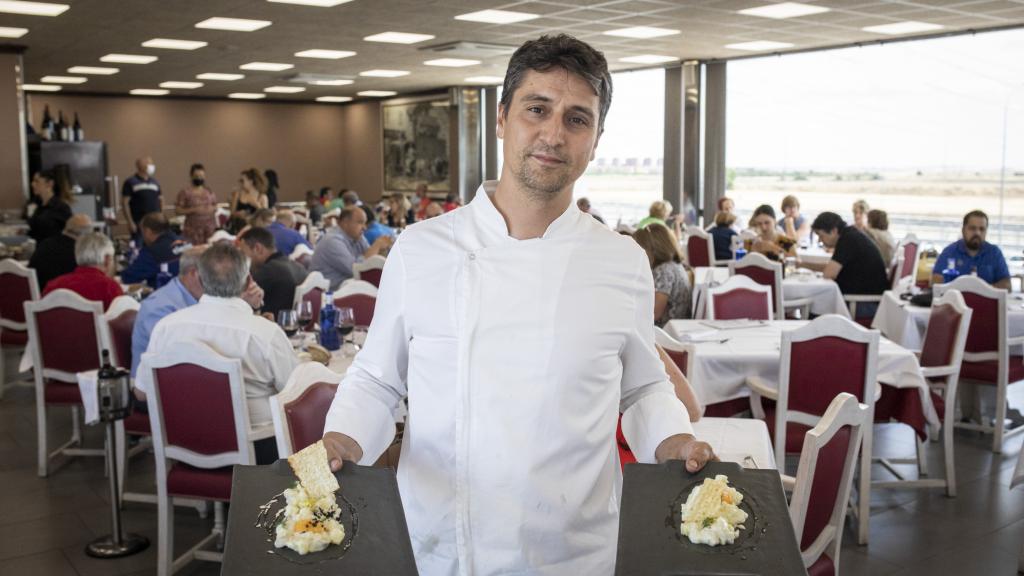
701, 233
11, 266
909, 239
666, 341
756, 260
313, 281
737, 282
304, 376
352, 287
373, 262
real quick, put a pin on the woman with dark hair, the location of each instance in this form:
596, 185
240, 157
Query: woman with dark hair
769, 241
199, 206
251, 194
878, 230
54, 207
272, 186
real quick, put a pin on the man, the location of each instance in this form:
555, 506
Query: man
584, 205
160, 245
343, 246
141, 194
422, 200
286, 238
972, 254
91, 279
856, 265
274, 272
350, 198
484, 321
225, 322
433, 210
374, 229
55, 256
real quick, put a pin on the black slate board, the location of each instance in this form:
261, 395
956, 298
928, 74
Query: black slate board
650, 543
376, 535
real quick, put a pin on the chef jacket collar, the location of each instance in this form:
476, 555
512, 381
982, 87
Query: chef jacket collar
491, 221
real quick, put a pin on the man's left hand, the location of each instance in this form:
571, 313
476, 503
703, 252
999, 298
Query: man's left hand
685, 447
253, 295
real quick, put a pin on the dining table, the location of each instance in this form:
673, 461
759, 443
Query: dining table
905, 323
823, 294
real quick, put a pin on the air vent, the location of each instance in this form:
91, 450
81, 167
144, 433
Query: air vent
321, 79
465, 48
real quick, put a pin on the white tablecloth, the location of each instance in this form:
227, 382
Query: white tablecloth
824, 294
905, 324
741, 440
814, 255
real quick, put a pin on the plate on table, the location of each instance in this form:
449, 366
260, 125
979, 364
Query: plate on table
376, 535
650, 541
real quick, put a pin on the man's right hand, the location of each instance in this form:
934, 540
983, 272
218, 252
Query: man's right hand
341, 448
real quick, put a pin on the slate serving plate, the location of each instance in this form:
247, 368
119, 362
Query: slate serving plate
650, 543
376, 535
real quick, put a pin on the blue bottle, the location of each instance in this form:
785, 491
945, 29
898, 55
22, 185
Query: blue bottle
328, 335
950, 273
740, 252
164, 276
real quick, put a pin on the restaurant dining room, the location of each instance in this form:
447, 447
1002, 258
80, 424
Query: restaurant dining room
534, 287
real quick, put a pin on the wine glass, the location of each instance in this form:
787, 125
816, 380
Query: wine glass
288, 321
345, 323
304, 311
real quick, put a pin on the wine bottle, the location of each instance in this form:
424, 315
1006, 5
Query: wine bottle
47, 123
77, 134
62, 127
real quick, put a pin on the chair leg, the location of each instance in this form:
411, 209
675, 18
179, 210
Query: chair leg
3, 373
997, 437
76, 427
922, 462
947, 448
219, 524
44, 459
165, 528
864, 492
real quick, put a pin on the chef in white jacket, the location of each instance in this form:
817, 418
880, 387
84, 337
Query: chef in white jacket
519, 328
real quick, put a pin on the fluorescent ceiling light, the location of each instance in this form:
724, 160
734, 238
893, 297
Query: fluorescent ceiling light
334, 99
325, 54
759, 45
172, 44
399, 37
40, 87
182, 85
246, 96
648, 59
32, 8
907, 27
377, 93
784, 10
64, 79
128, 59
497, 17
149, 92
7, 32
233, 24
332, 82
284, 89
485, 79
451, 62
219, 76
320, 3
642, 32
267, 66
384, 73
98, 70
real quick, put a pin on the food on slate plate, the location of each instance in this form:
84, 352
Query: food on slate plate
711, 513
312, 518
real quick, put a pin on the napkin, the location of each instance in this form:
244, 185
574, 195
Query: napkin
87, 382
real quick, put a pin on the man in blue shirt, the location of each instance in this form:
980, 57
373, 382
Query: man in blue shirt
141, 194
345, 245
286, 238
374, 229
973, 255
160, 246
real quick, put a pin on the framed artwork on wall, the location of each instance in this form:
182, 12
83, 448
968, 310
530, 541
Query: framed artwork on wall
416, 143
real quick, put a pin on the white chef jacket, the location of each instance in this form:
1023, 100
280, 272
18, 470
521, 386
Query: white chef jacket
517, 357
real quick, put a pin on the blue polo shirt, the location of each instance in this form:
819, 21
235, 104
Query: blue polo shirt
376, 230
286, 239
171, 298
989, 263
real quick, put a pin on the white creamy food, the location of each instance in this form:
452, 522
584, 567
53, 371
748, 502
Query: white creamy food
309, 525
711, 514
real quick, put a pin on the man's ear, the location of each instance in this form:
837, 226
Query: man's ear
593, 151
500, 128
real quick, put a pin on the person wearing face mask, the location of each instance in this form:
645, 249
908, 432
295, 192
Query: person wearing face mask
53, 209
199, 206
971, 254
141, 194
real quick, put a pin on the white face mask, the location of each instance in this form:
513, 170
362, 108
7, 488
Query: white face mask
151, 169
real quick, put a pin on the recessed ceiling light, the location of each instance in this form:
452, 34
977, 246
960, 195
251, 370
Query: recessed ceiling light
246, 96
784, 10
41, 87
7, 32
128, 59
284, 89
485, 79
338, 82
648, 59
334, 99
907, 27
267, 66
172, 44
64, 79
451, 62
642, 32
376, 93
325, 54
399, 37
320, 3
384, 73
759, 45
32, 8
219, 76
98, 70
149, 92
497, 17
181, 85
233, 24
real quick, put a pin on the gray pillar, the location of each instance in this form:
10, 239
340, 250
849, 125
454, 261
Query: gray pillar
490, 135
714, 138
672, 177
13, 151
691, 136
470, 154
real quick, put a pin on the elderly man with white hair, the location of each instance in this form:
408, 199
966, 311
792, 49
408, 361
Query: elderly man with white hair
94, 254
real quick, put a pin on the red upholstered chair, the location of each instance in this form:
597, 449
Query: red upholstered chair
739, 297
369, 270
821, 489
700, 248
66, 335
312, 290
360, 296
906, 260
760, 269
17, 285
201, 429
987, 359
300, 410
805, 389
681, 354
223, 215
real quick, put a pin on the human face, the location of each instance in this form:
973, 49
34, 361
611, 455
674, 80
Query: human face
828, 238
246, 183
860, 218
728, 205
199, 174
550, 132
791, 211
764, 225
974, 232
355, 225
42, 188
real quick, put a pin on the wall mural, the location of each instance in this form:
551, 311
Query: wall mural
416, 145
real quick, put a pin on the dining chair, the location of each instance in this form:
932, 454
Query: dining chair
18, 285
300, 409
360, 296
740, 297
700, 248
312, 290
369, 270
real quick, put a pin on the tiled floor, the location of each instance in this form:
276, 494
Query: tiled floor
46, 523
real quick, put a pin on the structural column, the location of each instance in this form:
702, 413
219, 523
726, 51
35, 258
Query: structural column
13, 151
672, 175
714, 137
692, 102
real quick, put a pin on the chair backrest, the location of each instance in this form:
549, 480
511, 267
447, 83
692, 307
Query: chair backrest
988, 332
946, 334
369, 269
301, 253
300, 410
700, 248
67, 335
739, 297
906, 257
850, 353
760, 269
823, 480
312, 290
18, 285
120, 329
681, 354
358, 296
223, 215
198, 409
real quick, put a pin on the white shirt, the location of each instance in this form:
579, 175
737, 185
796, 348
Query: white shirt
229, 327
517, 357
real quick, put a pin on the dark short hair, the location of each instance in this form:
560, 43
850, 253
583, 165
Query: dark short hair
828, 221
975, 214
155, 222
878, 219
565, 52
763, 209
196, 166
371, 216
47, 175
261, 236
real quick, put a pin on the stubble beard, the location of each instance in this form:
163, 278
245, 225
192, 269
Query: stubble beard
539, 186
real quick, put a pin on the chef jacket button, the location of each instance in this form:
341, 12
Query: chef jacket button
472, 256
